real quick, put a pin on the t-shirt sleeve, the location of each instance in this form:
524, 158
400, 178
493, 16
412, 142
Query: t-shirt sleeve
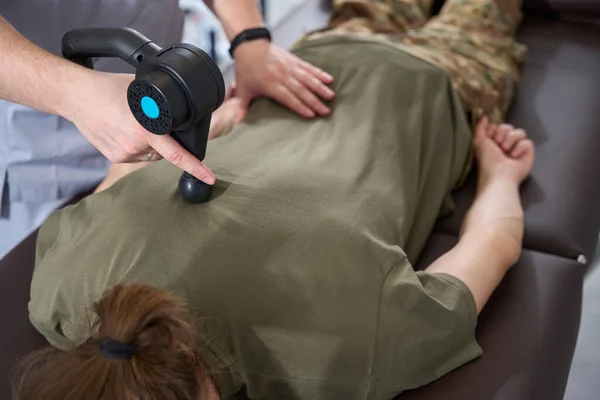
53, 308
452, 293
61, 334
426, 328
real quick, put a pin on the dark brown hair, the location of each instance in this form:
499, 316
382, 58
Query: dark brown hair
165, 366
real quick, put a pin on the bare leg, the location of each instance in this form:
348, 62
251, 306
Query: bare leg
492, 234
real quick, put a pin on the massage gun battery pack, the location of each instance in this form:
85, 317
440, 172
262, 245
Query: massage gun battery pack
175, 90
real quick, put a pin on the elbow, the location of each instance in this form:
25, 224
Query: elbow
506, 247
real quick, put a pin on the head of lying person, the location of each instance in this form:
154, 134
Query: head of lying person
143, 346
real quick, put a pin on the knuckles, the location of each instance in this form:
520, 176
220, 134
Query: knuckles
175, 158
133, 149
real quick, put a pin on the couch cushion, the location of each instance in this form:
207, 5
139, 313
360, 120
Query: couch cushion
558, 102
563, 8
528, 332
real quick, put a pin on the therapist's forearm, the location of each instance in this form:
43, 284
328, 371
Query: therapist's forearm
33, 77
237, 15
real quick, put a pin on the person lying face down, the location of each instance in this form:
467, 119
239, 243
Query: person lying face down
296, 280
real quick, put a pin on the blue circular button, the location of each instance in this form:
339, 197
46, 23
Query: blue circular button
150, 108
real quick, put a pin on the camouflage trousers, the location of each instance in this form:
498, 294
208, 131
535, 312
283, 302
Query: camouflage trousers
472, 40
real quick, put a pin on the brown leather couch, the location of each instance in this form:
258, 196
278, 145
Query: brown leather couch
529, 329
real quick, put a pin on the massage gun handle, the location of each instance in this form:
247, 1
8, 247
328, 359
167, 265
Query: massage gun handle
195, 138
80, 45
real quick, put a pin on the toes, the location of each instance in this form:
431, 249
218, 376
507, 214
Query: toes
521, 148
513, 137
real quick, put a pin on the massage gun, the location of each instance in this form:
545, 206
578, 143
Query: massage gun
175, 90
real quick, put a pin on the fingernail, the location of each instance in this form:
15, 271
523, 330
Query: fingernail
325, 111
210, 180
327, 76
329, 93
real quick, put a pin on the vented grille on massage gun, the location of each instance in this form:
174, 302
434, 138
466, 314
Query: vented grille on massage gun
160, 125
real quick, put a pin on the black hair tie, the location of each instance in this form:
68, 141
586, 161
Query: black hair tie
116, 350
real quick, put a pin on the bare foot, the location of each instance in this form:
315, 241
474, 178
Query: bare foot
502, 151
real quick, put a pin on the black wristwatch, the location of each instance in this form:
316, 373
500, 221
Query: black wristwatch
248, 35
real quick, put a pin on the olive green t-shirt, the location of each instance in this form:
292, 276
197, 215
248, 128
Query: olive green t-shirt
301, 262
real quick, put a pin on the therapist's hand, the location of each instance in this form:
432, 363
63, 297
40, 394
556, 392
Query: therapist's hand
263, 69
98, 107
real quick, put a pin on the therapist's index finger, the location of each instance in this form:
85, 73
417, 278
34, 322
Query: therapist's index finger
173, 152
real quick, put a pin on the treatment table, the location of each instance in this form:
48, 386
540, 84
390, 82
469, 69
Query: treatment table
529, 329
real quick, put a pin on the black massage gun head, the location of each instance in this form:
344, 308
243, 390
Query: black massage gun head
193, 190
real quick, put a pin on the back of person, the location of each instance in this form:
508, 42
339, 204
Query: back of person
299, 262
44, 160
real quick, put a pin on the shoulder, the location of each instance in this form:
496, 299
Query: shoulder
68, 276
86, 248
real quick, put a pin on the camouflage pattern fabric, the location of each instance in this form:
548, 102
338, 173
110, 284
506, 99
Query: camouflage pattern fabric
472, 40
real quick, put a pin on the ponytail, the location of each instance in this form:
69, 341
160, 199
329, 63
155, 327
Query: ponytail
143, 346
